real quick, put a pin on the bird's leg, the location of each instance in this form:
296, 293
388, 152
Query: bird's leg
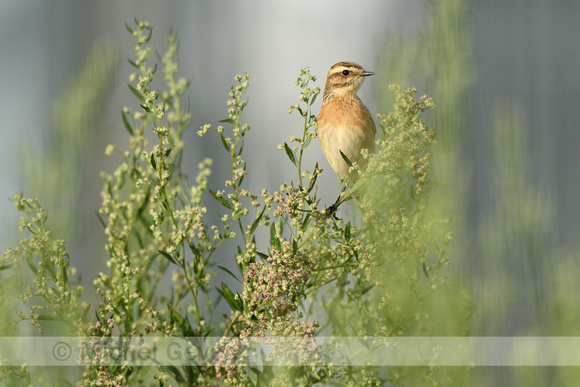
334, 207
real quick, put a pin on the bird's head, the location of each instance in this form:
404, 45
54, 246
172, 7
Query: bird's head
344, 79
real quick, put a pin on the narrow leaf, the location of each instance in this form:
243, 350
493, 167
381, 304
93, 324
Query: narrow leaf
153, 163
132, 63
261, 378
235, 304
229, 272
129, 29
365, 290
137, 93
346, 159
290, 154
229, 120
5, 267
101, 219
357, 186
31, 266
274, 241
313, 179
126, 123
44, 317
243, 175
193, 249
224, 142
149, 36
313, 99
306, 222
425, 271
347, 232
221, 200
257, 221
176, 374
168, 257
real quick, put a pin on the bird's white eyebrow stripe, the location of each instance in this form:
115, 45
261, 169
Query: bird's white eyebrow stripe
347, 64
341, 66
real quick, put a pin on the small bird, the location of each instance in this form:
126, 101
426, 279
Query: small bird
344, 123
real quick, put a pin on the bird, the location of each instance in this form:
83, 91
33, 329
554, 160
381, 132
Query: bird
344, 124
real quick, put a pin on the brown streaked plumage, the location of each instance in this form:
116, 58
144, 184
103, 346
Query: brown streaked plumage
344, 123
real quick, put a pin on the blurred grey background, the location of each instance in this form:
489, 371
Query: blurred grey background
516, 241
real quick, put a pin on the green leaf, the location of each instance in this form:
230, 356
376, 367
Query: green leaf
5, 267
44, 317
148, 37
425, 271
313, 180
221, 200
168, 257
193, 249
346, 159
100, 219
63, 270
413, 193
224, 142
257, 221
234, 303
365, 290
347, 232
126, 123
137, 93
229, 272
262, 255
129, 29
274, 241
290, 154
307, 142
243, 175
86, 310
261, 378
31, 266
145, 108
176, 374
354, 188
229, 120
132, 63
313, 99
267, 310
306, 222
153, 163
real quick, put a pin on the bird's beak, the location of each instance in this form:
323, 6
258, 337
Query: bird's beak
366, 73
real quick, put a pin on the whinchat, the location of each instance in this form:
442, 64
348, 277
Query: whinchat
344, 123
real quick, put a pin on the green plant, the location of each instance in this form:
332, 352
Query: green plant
303, 281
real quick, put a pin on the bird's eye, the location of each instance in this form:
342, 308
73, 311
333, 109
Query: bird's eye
345, 72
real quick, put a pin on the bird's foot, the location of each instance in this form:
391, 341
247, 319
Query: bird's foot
331, 210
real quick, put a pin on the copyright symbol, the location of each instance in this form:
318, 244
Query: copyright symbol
61, 351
